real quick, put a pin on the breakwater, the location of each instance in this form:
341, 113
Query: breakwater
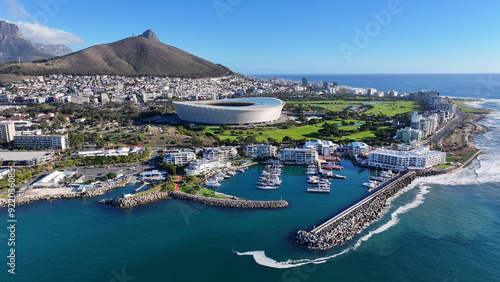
133, 201
229, 203
344, 226
216, 202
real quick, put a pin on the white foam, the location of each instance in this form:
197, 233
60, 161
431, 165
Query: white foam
261, 258
419, 199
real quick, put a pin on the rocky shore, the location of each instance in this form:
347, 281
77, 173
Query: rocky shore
26, 198
227, 203
341, 229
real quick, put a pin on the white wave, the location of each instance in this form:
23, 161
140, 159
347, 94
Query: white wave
419, 199
261, 258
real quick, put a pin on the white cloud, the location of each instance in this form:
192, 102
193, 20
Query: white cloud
45, 35
35, 32
15, 11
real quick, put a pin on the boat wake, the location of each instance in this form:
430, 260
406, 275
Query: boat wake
261, 258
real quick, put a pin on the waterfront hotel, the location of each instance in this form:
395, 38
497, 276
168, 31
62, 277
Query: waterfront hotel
421, 158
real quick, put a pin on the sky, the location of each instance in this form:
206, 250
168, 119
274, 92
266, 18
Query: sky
284, 36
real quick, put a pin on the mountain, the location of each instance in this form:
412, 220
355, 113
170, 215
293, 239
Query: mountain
142, 55
54, 50
14, 47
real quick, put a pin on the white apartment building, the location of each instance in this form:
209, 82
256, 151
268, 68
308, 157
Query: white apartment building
7, 130
421, 158
42, 141
360, 148
409, 134
298, 156
179, 157
324, 148
203, 166
260, 151
225, 152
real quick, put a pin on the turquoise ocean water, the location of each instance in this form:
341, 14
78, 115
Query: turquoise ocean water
444, 228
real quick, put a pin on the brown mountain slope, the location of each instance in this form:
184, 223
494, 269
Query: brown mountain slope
134, 56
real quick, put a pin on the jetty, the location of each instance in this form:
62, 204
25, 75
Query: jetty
345, 225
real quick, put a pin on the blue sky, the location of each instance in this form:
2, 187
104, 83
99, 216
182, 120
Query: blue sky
285, 37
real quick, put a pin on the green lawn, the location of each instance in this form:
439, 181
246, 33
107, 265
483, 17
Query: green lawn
297, 132
389, 108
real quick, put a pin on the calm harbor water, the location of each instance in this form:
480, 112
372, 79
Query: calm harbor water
444, 228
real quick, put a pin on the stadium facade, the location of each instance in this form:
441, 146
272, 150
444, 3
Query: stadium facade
231, 111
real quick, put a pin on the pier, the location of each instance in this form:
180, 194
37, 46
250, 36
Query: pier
345, 225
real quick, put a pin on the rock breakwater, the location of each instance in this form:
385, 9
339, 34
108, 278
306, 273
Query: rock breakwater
133, 201
227, 203
344, 226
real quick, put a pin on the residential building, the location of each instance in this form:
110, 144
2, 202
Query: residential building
409, 134
324, 148
42, 141
298, 156
225, 152
260, 151
7, 131
179, 158
359, 148
204, 166
421, 158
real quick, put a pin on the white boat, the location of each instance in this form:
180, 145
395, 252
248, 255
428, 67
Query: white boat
212, 184
386, 174
240, 170
267, 187
377, 178
370, 184
313, 180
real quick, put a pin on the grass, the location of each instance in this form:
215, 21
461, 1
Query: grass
296, 132
443, 166
461, 104
389, 108
151, 190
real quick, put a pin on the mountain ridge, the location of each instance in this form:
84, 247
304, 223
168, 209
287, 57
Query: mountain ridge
143, 55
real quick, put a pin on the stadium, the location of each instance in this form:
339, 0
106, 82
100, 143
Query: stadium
231, 111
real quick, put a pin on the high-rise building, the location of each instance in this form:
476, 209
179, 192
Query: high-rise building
325, 85
304, 81
7, 131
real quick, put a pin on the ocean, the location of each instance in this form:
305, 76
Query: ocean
443, 228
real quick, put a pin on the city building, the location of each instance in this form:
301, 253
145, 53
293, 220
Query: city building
224, 152
298, 156
324, 148
231, 111
359, 148
409, 134
204, 166
53, 179
24, 157
260, 151
420, 158
179, 158
7, 131
42, 141
304, 82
